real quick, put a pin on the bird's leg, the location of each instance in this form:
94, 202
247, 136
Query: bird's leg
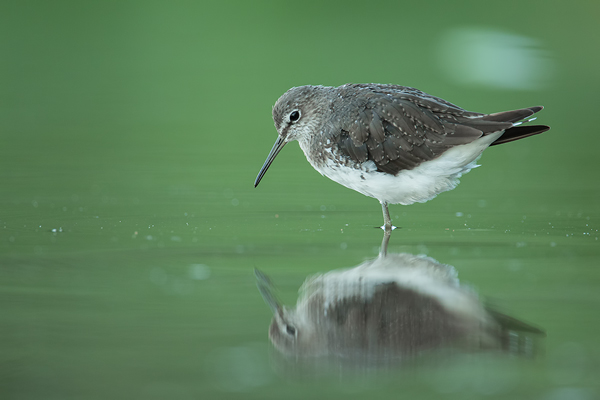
387, 221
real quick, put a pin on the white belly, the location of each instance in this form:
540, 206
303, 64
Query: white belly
410, 186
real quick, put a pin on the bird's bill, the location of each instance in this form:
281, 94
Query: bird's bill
266, 290
279, 143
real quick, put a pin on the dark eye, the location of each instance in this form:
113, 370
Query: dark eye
294, 116
290, 330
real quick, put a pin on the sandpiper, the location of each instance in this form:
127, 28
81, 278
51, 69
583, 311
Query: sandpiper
393, 143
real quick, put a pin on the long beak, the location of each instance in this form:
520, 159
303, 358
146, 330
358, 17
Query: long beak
266, 290
279, 143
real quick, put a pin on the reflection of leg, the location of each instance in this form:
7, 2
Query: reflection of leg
387, 233
387, 221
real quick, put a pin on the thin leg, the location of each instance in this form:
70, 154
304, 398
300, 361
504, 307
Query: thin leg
387, 221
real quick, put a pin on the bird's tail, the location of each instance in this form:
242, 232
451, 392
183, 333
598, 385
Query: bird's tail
516, 117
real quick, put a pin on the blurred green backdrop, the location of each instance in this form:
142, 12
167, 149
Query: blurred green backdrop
131, 133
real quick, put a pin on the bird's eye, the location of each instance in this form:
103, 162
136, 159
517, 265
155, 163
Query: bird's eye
294, 116
290, 330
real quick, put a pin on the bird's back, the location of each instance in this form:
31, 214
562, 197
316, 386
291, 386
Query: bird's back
399, 128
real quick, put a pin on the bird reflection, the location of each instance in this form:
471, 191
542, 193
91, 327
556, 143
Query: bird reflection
393, 307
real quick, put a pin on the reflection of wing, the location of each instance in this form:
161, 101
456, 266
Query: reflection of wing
513, 335
394, 318
508, 323
398, 127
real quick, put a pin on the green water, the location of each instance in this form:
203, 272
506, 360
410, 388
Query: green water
131, 134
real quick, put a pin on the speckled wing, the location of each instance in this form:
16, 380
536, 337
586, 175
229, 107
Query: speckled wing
398, 127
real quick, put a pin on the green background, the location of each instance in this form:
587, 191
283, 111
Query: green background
130, 137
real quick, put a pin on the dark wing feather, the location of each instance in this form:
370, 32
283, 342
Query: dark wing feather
346, 144
398, 127
376, 128
359, 131
520, 132
512, 116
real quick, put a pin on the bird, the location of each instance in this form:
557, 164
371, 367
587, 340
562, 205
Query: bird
394, 143
390, 307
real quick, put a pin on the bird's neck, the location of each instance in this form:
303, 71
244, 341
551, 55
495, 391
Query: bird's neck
317, 149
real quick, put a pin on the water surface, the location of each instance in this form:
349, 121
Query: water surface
129, 228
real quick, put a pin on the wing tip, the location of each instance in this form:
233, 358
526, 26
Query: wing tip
536, 108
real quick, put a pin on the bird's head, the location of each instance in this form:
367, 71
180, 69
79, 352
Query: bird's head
297, 115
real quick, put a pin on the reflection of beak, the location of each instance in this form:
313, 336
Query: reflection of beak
279, 143
266, 290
